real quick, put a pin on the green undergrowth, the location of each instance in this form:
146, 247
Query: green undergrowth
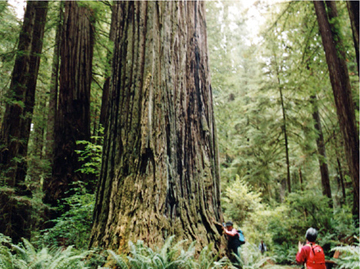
172, 255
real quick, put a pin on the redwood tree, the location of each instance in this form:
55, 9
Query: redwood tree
15, 128
160, 170
339, 77
73, 113
15, 212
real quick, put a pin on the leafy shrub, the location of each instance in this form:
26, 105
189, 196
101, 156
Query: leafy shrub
74, 226
90, 155
239, 201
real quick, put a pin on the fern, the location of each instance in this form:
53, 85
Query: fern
26, 256
350, 256
252, 257
169, 256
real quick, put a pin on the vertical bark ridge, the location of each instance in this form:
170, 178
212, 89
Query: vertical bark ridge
165, 177
73, 114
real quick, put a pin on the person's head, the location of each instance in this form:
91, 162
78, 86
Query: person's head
229, 225
311, 234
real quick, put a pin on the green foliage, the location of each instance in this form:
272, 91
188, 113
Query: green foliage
170, 256
74, 226
285, 253
167, 257
349, 256
251, 257
207, 260
90, 155
313, 206
239, 200
26, 256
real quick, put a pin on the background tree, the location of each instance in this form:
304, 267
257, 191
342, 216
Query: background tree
160, 173
338, 72
15, 129
73, 113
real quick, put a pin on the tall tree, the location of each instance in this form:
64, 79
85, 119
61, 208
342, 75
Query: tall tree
54, 85
73, 113
15, 128
353, 9
106, 87
324, 171
15, 215
160, 171
339, 77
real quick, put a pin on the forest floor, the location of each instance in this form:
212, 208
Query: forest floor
272, 265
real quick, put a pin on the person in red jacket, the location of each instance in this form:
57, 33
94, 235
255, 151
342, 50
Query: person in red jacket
311, 254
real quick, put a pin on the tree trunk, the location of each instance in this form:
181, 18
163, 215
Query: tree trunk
288, 178
339, 78
340, 175
301, 179
160, 170
15, 129
353, 8
15, 213
73, 114
106, 87
324, 171
52, 107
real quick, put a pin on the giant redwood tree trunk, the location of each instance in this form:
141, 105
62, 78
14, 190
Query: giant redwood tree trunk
160, 171
73, 114
15, 128
340, 82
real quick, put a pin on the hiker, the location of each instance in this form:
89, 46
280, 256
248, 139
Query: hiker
233, 237
311, 254
262, 247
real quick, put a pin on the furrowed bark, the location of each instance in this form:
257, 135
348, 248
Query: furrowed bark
160, 169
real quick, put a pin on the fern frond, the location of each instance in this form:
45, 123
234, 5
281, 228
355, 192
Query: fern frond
120, 261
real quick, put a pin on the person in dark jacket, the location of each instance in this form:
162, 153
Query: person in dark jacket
262, 247
233, 237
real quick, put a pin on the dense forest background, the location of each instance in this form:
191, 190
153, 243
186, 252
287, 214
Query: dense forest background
286, 110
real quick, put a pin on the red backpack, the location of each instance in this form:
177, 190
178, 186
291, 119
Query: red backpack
316, 258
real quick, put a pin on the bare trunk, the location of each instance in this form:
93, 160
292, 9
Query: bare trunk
53, 91
340, 174
73, 114
288, 177
15, 129
342, 92
324, 171
160, 170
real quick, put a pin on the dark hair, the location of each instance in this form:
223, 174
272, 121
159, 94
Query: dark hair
311, 234
229, 223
